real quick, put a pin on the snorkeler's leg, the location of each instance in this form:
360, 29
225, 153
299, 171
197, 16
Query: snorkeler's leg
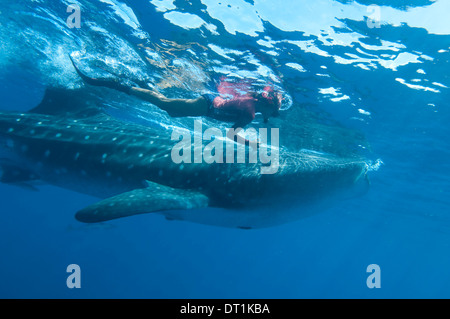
175, 107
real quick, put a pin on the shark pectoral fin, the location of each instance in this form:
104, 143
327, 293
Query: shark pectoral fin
140, 201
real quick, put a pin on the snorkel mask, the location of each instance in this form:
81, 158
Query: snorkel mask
274, 100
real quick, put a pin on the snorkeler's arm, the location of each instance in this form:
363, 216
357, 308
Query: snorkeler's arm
233, 133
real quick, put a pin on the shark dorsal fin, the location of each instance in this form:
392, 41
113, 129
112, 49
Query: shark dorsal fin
71, 103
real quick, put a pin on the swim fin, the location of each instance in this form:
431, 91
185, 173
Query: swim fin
112, 83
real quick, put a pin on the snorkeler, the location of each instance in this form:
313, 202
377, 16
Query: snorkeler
240, 109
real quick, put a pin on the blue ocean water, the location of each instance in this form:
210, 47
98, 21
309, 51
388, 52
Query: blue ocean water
377, 69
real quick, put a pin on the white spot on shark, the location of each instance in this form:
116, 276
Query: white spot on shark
141, 155
77, 155
11, 130
18, 120
86, 137
32, 132
58, 135
68, 126
114, 139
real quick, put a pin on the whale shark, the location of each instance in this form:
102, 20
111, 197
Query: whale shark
71, 142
